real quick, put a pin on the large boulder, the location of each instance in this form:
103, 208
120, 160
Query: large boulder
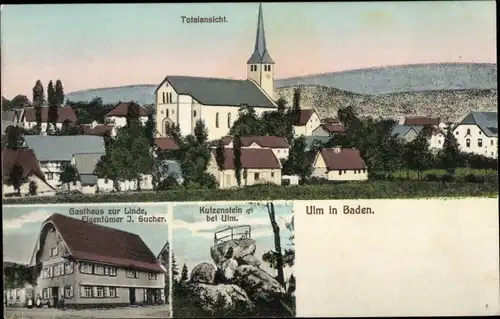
260, 286
221, 299
203, 273
228, 268
232, 249
249, 260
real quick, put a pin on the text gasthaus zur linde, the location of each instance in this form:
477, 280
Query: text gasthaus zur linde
116, 215
223, 214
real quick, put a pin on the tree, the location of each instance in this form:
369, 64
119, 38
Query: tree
281, 103
194, 163
38, 94
248, 123
417, 155
38, 118
277, 243
68, 175
299, 161
149, 130
52, 113
20, 101
15, 138
174, 131
219, 155
450, 156
59, 93
69, 129
184, 275
175, 270
201, 132
16, 179
237, 158
32, 188
6, 104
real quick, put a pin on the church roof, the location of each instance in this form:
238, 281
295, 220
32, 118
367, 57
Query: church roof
220, 92
487, 122
260, 54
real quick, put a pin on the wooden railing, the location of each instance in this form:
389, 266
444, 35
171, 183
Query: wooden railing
232, 233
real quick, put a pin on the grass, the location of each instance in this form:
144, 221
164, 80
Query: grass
359, 190
460, 172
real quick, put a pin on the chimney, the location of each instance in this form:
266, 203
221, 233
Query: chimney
337, 149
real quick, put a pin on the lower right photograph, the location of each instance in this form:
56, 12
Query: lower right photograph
233, 260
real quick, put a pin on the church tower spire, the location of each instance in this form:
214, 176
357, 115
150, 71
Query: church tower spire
260, 66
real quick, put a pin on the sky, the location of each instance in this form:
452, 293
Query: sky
106, 45
22, 225
193, 236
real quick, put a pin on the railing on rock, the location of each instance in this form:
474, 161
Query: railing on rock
232, 233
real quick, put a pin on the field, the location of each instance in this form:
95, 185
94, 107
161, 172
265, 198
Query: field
460, 172
351, 190
52, 313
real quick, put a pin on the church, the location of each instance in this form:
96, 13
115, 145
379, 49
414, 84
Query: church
184, 100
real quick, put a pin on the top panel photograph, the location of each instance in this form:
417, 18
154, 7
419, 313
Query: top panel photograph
248, 101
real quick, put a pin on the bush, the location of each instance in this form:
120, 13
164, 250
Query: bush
285, 182
471, 178
32, 188
447, 178
431, 177
376, 176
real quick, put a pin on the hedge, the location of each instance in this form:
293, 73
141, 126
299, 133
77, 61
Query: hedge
359, 190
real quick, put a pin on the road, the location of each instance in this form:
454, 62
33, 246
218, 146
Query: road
126, 312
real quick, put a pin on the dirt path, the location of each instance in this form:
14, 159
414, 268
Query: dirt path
128, 312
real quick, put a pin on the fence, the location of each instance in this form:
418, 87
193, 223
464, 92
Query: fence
232, 233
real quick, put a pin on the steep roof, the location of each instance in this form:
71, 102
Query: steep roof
220, 92
421, 120
345, 159
25, 158
125, 108
98, 130
166, 143
487, 122
97, 243
262, 141
333, 128
62, 148
260, 53
304, 117
429, 130
251, 158
86, 163
63, 114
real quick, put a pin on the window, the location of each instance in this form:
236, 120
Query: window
18, 294
45, 293
50, 175
57, 271
256, 176
164, 98
439, 142
170, 97
153, 276
340, 172
345, 171
253, 68
217, 120
467, 142
272, 174
167, 112
228, 120
86, 268
468, 131
99, 292
112, 271
480, 142
68, 268
98, 270
194, 113
86, 292
491, 142
132, 273
51, 272
54, 251
456, 133
355, 171
45, 273
110, 292
68, 291
480, 132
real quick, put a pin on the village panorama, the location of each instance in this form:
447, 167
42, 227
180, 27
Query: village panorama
212, 138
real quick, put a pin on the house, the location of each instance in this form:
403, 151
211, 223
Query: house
54, 152
259, 166
95, 266
339, 164
277, 144
28, 117
118, 115
86, 181
307, 121
478, 133
31, 171
18, 297
166, 144
435, 135
164, 258
99, 129
311, 141
184, 100
328, 129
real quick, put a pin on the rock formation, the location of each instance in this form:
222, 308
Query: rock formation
236, 284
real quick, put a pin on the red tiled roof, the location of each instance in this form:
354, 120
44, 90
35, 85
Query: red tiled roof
122, 109
25, 158
98, 130
421, 120
346, 158
64, 113
432, 130
97, 243
304, 117
262, 141
330, 120
333, 128
251, 158
166, 143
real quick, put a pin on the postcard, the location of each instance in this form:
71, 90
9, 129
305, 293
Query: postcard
248, 101
82, 261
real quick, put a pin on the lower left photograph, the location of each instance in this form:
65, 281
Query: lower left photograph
86, 261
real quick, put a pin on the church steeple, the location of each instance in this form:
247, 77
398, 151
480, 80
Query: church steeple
260, 54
